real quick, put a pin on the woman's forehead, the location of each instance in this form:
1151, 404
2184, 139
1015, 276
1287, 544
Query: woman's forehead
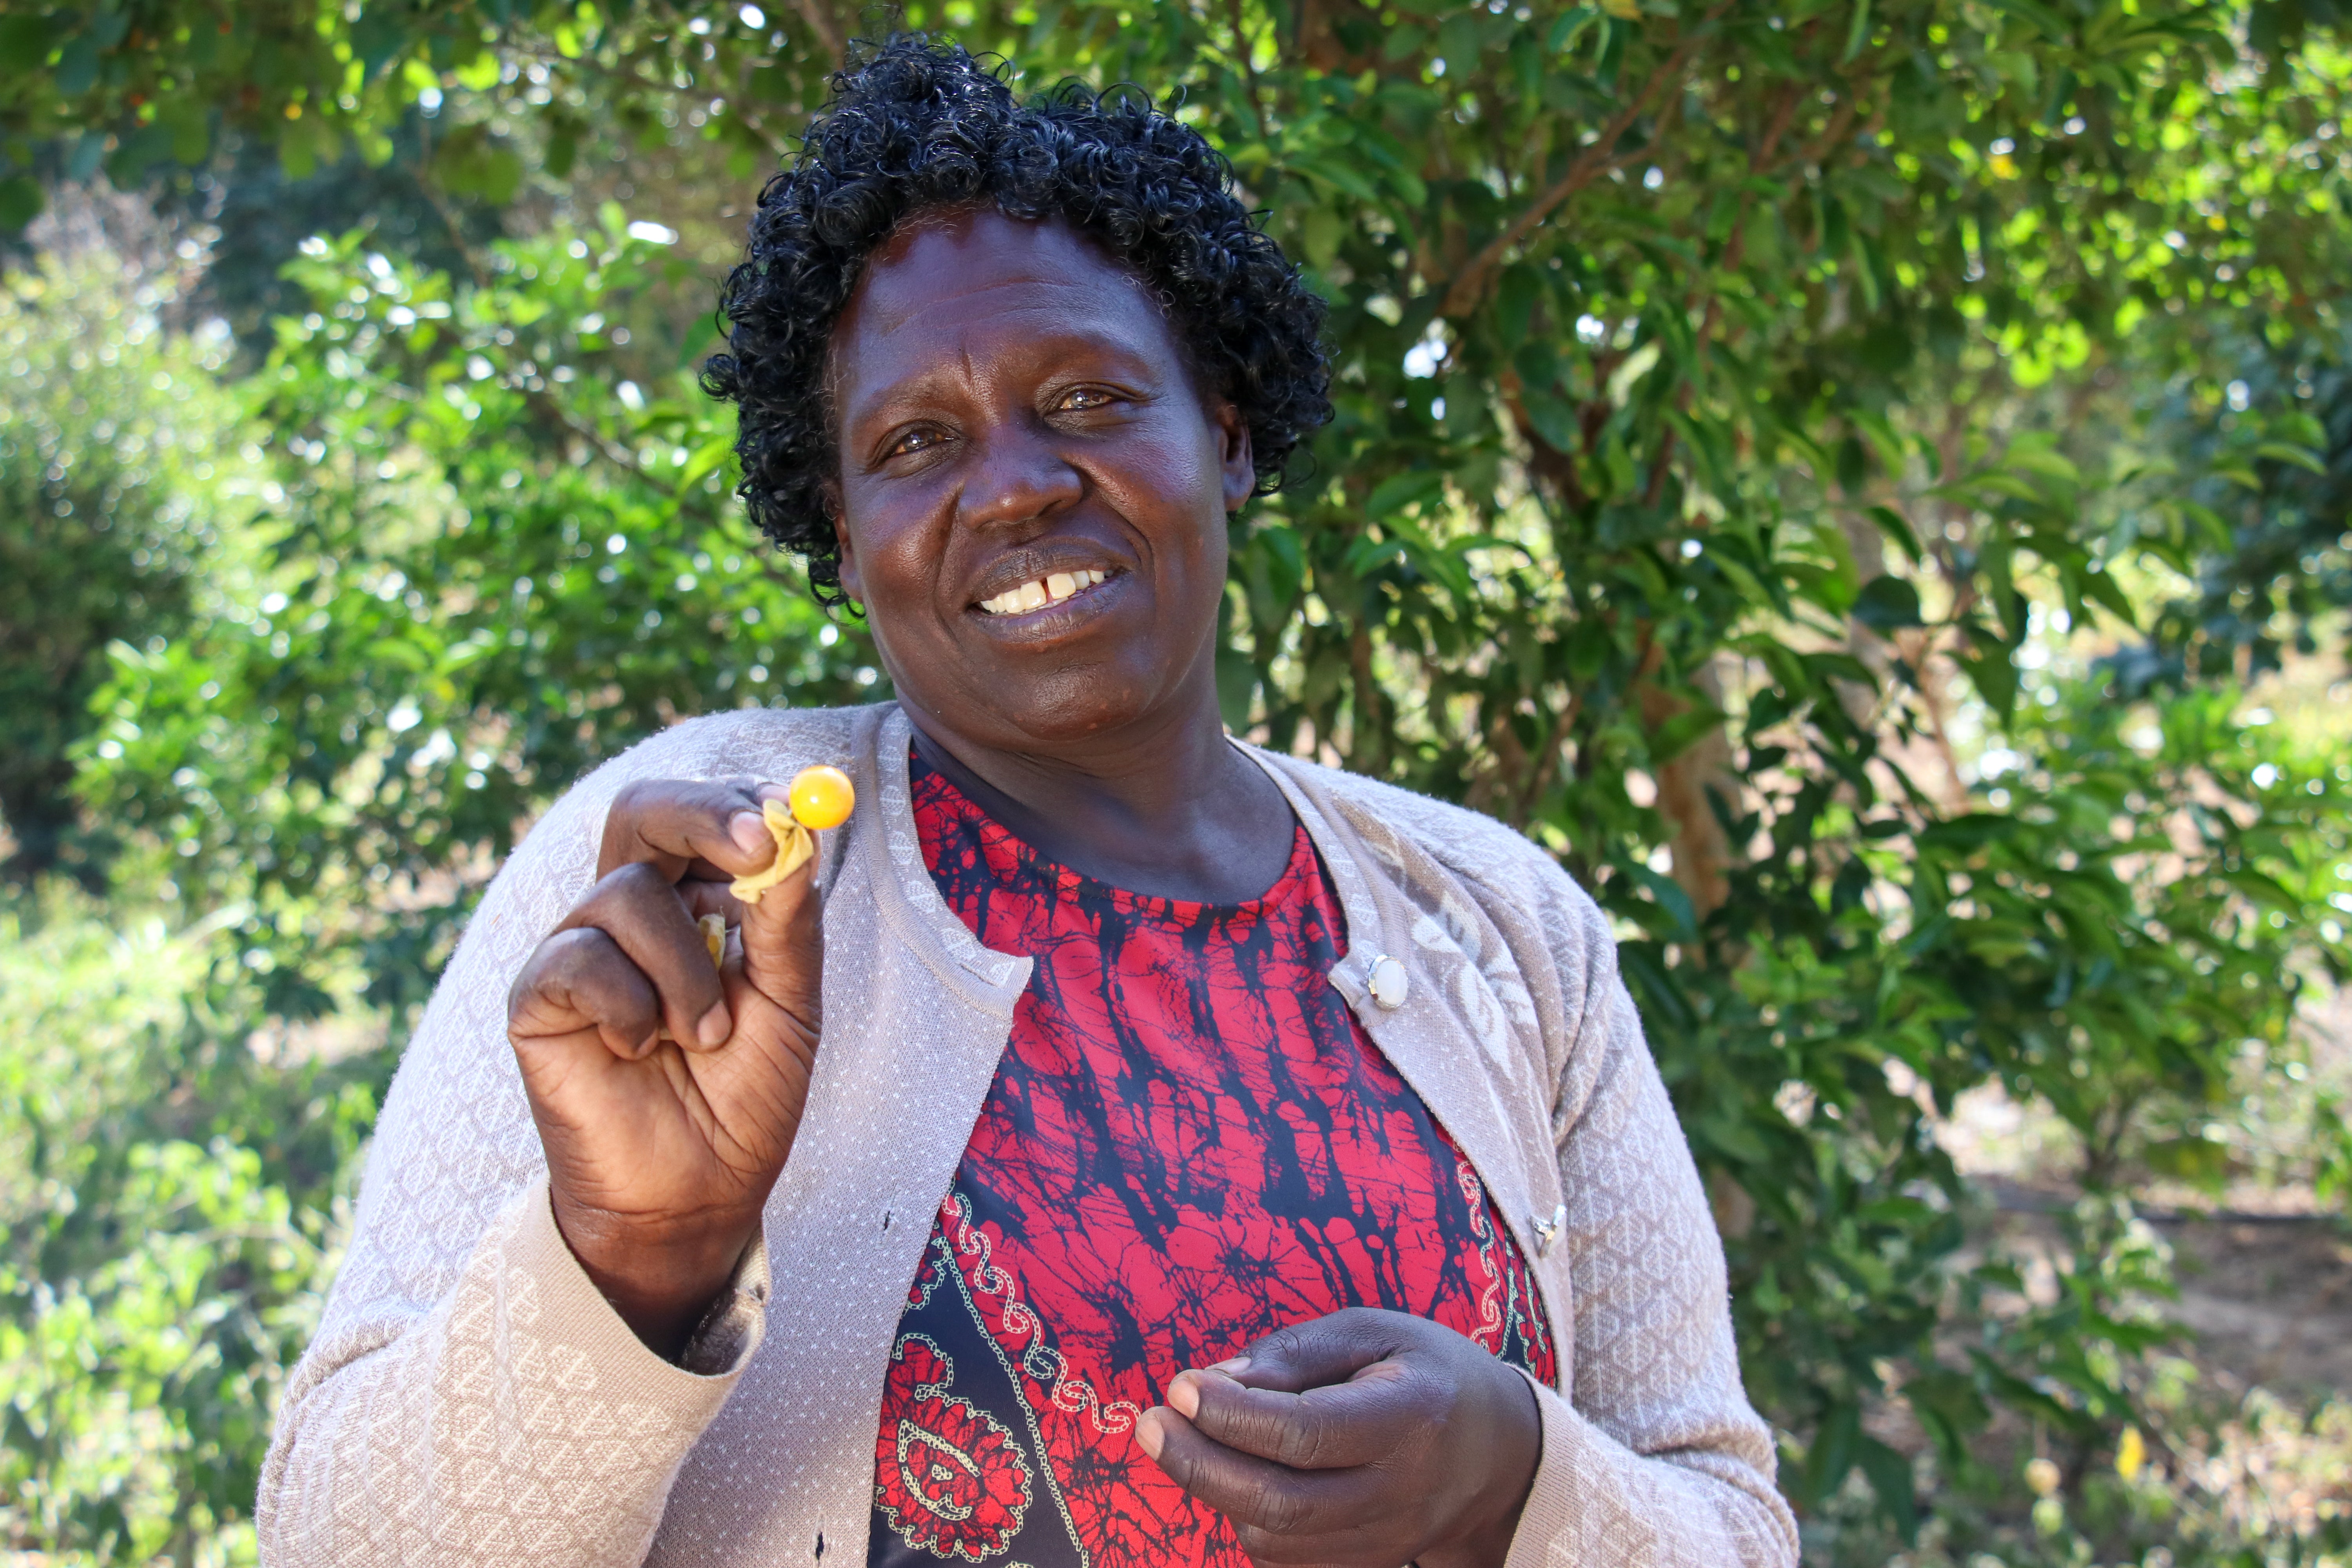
943, 254
980, 284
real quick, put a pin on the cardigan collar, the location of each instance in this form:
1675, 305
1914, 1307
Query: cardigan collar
911, 903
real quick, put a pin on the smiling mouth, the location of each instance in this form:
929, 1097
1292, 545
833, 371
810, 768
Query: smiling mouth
1040, 592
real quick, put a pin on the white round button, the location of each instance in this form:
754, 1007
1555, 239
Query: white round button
1388, 984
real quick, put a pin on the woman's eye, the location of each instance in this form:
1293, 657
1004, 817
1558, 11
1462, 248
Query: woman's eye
913, 441
1084, 398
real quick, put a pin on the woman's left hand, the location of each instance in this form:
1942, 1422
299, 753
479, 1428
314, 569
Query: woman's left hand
1365, 1439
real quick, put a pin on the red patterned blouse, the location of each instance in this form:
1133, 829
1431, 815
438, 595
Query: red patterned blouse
1189, 1144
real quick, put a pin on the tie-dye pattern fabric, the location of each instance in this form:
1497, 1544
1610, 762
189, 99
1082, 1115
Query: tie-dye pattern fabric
1189, 1144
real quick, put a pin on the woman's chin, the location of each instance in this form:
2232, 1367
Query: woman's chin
1064, 709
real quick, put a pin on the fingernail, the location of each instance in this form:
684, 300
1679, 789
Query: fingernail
1184, 1395
1232, 1368
715, 1027
1148, 1436
751, 834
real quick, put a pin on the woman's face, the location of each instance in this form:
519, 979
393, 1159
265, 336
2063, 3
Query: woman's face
1032, 491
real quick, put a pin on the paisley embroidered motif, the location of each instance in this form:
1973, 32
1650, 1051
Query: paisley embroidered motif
947, 1475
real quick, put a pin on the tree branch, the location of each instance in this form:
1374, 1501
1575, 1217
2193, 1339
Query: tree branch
1590, 164
612, 452
822, 24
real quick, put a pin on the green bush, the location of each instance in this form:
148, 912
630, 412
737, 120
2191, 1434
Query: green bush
168, 1205
116, 452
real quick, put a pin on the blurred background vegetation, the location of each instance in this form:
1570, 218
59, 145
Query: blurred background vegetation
1865, 481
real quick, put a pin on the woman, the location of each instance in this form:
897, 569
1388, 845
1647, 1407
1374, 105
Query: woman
1123, 1146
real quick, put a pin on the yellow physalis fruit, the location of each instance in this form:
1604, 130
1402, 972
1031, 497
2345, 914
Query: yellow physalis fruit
822, 797
2131, 1453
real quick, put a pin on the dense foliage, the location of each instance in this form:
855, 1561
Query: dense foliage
163, 1252
105, 431
1827, 470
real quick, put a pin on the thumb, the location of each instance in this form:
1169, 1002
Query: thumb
784, 931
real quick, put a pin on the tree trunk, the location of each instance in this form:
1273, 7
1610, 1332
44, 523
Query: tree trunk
1701, 848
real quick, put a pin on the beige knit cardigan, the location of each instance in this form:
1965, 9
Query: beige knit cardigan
471, 1399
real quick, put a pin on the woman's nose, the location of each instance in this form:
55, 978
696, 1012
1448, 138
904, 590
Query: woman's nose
1017, 475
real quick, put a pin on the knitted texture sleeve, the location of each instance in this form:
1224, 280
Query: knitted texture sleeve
469, 1397
1655, 1460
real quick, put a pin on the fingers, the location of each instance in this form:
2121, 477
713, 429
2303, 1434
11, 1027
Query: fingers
1330, 1349
699, 837
710, 830
1331, 1428
1282, 1514
1362, 1437
638, 910
669, 849
580, 980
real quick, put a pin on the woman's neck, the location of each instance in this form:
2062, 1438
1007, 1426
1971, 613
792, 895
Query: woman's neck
1170, 809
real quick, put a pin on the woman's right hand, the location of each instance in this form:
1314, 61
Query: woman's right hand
661, 1151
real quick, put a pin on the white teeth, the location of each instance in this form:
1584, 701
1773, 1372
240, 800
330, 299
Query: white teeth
1038, 592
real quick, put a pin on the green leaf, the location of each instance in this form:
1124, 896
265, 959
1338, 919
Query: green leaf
1627, 375
707, 458
2299, 457
2047, 21
1340, 176
1569, 27
1684, 730
1887, 605
2102, 588
1857, 32
472, 162
21, 201
1668, 896
1397, 491
1996, 678
1516, 296
1832, 1453
482, 73
1236, 685
77, 67
1897, 531
26, 41
1889, 1473
1553, 418
140, 151
1967, 833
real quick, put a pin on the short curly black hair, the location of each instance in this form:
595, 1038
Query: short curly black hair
913, 125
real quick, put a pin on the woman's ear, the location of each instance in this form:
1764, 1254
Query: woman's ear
845, 553
1234, 456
